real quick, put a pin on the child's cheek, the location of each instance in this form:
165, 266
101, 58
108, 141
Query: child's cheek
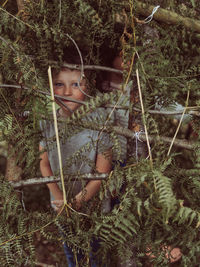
57, 92
81, 95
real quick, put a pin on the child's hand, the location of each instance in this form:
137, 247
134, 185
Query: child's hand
58, 203
173, 254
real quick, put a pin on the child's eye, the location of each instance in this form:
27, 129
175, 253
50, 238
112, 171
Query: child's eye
75, 84
58, 84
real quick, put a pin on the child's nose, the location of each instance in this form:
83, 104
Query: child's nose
68, 90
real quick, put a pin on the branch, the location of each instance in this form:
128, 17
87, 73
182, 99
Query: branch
87, 67
42, 92
178, 142
54, 179
190, 111
167, 16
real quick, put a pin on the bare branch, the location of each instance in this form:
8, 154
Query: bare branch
87, 67
7, 43
42, 92
55, 179
191, 111
178, 142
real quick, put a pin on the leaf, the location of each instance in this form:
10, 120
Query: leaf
193, 3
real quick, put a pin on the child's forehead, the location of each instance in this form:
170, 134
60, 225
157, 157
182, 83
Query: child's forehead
66, 72
74, 71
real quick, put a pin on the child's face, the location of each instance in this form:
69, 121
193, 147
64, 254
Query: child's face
65, 83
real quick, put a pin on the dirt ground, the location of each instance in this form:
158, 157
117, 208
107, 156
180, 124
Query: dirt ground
49, 254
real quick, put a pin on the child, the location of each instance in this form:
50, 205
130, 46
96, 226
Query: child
68, 83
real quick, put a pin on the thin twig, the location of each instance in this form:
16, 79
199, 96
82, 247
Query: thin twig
143, 115
60, 13
43, 92
79, 52
17, 18
87, 67
7, 43
189, 110
60, 102
179, 125
57, 135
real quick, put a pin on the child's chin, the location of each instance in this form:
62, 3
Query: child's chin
70, 105
70, 110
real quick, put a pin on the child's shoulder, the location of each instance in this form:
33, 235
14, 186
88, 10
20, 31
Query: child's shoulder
100, 114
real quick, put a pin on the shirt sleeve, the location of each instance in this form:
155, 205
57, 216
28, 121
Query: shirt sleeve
104, 143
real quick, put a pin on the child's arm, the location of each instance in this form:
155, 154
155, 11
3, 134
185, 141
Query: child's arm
103, 165
45, 169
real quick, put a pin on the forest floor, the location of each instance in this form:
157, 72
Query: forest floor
49, 254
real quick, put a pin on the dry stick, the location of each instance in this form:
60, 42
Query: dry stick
7, 43
143, 116
189, 110
60, 13
57, 136
44, 93
4, 3
56, 179
87, 67
178, 142
179, 125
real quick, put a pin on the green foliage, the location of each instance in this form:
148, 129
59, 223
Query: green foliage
157, 206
